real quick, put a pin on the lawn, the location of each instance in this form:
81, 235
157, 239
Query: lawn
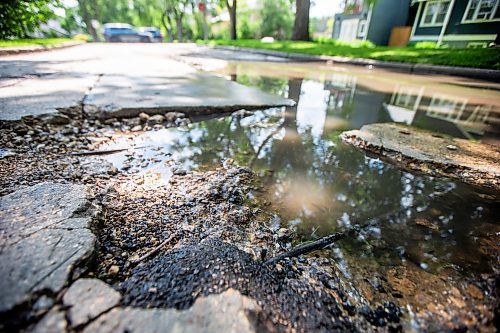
479, 58
34, 41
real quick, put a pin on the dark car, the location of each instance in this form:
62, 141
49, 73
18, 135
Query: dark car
155, 32
125, 33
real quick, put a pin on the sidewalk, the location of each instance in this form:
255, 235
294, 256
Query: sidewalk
476, 73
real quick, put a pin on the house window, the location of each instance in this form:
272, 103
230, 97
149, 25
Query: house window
434, 13
481, 10
362, 28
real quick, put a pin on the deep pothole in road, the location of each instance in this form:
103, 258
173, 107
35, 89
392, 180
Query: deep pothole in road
158, 183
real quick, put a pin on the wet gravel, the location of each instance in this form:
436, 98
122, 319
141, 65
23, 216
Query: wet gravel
178, 277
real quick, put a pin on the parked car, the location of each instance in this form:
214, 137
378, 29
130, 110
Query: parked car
155, 32
125, 33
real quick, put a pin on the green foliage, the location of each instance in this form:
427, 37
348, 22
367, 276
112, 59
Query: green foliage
198, 26
19, 18
477, 58
246, 28
276, 19
69, 20
187, 31
338, 43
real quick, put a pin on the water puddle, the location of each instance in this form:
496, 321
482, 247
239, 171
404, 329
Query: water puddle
319, 185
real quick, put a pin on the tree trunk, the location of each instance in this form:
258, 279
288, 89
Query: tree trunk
87, 17
232, 19
178, 25
301, 25
167, 23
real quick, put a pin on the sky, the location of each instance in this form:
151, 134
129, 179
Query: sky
319, 8
322, 8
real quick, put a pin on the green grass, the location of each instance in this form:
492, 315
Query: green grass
34, 41
478, 58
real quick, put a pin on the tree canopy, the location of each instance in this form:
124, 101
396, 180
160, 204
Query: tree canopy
277, 18
18, 18
180, 19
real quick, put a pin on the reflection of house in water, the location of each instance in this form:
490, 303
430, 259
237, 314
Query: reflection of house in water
342, 88
352, 102
404, 103
470, 118
445, 113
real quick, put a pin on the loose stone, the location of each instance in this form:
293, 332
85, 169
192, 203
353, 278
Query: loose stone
87, 299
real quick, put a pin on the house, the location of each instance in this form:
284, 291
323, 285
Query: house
460, 23
363, 21
449, 114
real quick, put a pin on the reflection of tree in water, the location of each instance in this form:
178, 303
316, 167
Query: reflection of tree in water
267, 84
328, 185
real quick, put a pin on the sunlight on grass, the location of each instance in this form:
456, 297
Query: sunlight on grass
478, 58
395, 53
34, 41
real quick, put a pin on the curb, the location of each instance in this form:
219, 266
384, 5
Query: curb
37, 48
476, 73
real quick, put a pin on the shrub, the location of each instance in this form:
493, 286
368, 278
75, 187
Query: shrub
335, 42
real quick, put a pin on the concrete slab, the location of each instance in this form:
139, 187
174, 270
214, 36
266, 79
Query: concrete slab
44, 95
430, 153
127, 96
41, 240
228, 312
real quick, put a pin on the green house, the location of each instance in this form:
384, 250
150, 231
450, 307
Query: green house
460, 23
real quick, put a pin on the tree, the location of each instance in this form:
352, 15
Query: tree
69, 21
231, 8
18, 18
276, 19
168, 24
89, 13
174, 12
301, 25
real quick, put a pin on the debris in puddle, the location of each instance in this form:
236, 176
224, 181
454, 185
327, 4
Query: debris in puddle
105, 151
306, 248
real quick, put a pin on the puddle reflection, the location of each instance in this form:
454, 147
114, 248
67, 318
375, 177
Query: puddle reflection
320, 185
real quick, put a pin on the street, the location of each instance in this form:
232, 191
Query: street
114, 78
167, 188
